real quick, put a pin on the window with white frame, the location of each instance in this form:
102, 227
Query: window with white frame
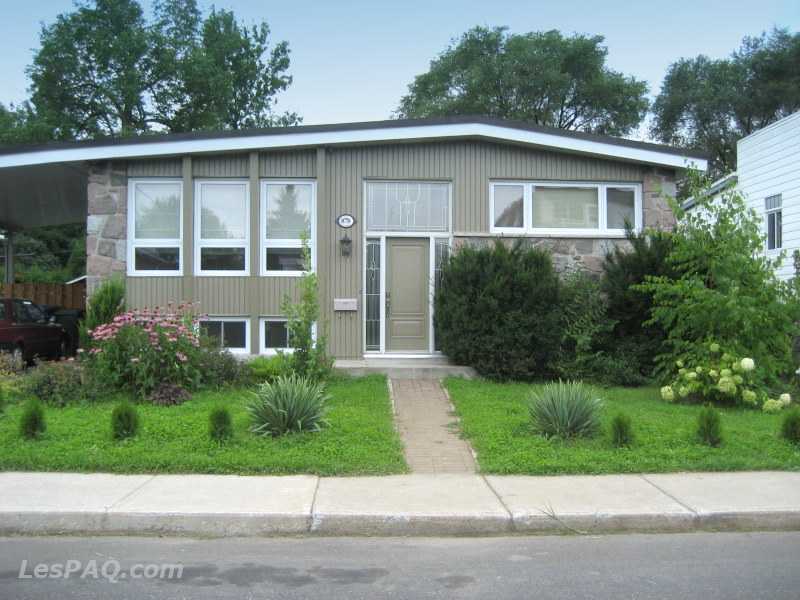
229, 333
287, 216
774, 214
222, 227
564, 208
408, 206
274, 335
155, 230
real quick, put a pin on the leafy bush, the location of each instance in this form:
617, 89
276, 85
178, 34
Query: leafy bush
141, 349
289, 404
724, 289
565, 409
55, 383
498, 310
124, 421
220, 425
709, 426
105, 303
773, 405
628, 306
169, 394
269, 368
218, 367
790, 427
32, 422
621, 431
309, 357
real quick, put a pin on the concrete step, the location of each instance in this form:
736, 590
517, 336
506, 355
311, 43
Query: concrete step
435, 367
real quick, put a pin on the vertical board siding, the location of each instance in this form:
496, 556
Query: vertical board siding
156, 167
149, 292
226, 165
300, 163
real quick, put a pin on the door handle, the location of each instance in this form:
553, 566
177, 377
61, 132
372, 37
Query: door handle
388, 303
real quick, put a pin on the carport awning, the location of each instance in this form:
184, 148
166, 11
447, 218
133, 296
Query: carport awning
45, 194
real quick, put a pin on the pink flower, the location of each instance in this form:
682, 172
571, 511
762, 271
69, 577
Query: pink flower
181, 356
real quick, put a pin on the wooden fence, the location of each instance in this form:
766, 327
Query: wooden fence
56, 294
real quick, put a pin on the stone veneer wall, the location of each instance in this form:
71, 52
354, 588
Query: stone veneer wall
587, 254
106, 223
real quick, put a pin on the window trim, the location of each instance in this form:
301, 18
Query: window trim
229, 319
133, 243
602, 229
262, 337
264, 243
200, 243
777, 212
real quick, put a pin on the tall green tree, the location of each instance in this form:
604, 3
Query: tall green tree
708, 104
543, 78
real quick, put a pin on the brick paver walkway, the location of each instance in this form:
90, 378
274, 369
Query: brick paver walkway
429, 428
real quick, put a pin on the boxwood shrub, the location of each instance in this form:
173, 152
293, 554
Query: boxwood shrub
498, 310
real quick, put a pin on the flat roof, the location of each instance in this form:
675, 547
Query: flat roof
370, 132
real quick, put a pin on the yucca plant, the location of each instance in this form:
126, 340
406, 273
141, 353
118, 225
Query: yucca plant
288, 404
565, 409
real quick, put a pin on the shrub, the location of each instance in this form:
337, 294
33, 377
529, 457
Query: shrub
790, 427
218, 367
289, 404
32, 422
141, 349
565, 409
621, 431
725, 288
220, 425
124, 421
268, 368
498, 310
169, 394
309, 357
105, 303
55, 383
709, 426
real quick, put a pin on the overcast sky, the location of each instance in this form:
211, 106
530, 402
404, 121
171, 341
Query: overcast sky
353, 59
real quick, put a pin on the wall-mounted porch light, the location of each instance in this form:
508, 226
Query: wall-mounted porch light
346, 245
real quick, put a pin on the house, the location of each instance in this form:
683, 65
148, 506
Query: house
768, 176
218, 218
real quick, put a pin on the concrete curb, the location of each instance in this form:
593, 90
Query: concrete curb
404, 505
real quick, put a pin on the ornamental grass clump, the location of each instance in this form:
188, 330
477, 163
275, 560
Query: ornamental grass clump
790, 427
709, 426
565, 410
621, 431
290, 404
220, 424
32, 423
124, 421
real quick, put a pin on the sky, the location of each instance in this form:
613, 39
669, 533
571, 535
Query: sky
352, 60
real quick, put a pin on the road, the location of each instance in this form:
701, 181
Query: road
707, 566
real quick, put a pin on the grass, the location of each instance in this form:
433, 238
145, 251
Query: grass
360, 439
494, 418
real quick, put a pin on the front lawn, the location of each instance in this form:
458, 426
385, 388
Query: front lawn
360, 439
494, 418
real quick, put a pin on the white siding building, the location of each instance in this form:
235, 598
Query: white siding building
768, 172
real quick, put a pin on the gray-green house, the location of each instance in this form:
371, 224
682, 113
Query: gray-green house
217, 218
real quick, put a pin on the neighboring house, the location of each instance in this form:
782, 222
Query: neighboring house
768, 176
218, 218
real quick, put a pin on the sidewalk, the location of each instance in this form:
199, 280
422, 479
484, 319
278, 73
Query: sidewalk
449, 504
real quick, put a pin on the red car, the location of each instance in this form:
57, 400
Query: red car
27, 332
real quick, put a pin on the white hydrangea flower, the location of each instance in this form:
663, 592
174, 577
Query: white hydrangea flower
748, 364
785, 399
667, 393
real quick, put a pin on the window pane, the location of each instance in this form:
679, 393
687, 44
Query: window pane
212, 329
156, 259
288, 211
222, 259
509, 210
157, 211
408, 206
275, 334
234, 335
285, 259
621, 208
565, 207
373, 295
223, 211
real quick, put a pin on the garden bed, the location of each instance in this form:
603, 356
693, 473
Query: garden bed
494, 418
360, 438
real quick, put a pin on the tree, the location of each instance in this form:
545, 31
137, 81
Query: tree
539, 77
104, 70
708, 104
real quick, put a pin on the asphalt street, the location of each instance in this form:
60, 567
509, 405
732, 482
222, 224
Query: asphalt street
707, 566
